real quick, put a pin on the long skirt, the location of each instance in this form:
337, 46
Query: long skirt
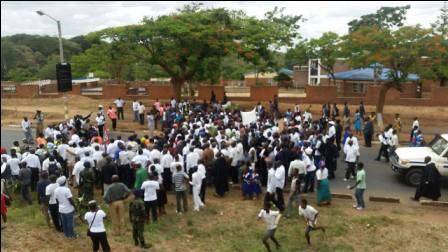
323, 191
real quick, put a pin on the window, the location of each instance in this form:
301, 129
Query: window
359, 88
314, 67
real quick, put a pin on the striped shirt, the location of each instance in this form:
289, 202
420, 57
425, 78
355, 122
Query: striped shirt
178, 181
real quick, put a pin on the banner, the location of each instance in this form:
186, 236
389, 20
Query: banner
249, 117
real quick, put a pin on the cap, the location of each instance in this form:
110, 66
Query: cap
308, 151
61, 180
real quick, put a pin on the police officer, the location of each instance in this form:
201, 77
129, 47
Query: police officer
87, 182
137, 217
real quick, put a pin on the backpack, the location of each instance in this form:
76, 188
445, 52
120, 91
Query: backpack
52, 168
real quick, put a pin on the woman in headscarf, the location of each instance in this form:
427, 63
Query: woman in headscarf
323, 186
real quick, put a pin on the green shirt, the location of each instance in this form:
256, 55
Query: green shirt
361, 179
140, 176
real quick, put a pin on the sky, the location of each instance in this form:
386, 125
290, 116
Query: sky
80, 18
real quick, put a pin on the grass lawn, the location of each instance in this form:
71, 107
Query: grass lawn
230, 224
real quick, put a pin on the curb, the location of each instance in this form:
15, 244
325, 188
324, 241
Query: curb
434, 203
384, 199
341, 196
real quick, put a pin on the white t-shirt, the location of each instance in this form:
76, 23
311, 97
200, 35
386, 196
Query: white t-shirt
150, 188
49, 191
309, 213
119, 103
77, 169
269, 218
321, 174
62, 194
135, 106
98, 225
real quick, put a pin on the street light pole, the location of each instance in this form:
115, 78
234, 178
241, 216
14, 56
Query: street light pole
61, 57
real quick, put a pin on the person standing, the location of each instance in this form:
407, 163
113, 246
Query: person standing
115, 196
41, 198
97, 232
39, 117
64, 198
368, 132
25, 182
220, 168
135, 106
141, 113
331, 155
294, 192
397, 123
358, 122
137, 214
271, 218
338, 127
351, 157
430, 183
280, 174
150, 187
87, 182
33, 163
310, 214
196, 183
112, 114
120, 104
26, 128
179, 180
384, 140
151, 123
360, 187
362, 110
141, 175
323, 186
107, 172
100, 120
310, 170
52, 203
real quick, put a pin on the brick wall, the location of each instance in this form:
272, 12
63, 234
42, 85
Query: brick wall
205, 92
250, 82
23, 91
114, 91
160, 92
320, 94
263, 93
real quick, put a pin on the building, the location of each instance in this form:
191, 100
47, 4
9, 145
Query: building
314, 74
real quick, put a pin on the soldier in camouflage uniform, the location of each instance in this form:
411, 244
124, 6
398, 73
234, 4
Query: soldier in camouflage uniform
137, 218
86, 184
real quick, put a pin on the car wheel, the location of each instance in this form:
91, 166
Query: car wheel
414, 176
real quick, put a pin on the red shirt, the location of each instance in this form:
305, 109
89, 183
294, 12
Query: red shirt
112, 113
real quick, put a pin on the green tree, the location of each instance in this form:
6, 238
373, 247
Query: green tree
441, 25
384, 18
260, 39
399, 50
298, 55
327, 48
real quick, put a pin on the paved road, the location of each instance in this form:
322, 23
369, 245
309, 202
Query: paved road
381, 180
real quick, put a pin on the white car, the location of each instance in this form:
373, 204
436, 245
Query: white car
410, 161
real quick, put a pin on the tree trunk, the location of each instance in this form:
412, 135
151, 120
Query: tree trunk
177, 87
380, 105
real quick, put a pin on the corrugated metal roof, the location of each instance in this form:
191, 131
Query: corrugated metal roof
367, 74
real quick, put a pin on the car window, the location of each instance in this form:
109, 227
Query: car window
439, 145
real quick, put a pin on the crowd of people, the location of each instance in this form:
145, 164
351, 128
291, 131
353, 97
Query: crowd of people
200, 145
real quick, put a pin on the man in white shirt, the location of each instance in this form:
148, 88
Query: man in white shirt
310, 214
100, 120
77, 169
165, 162
298, 165
192, 161
351, 156
135, 105
64, 198
26, 128
280, 183
14, 164
150, 187
120, 104
33, 162
141, 159
141, 113
52, 203
51, 166
271, 218
196, 183
310, 170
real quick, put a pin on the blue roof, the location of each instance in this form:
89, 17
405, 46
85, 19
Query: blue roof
367, 74
286, 71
